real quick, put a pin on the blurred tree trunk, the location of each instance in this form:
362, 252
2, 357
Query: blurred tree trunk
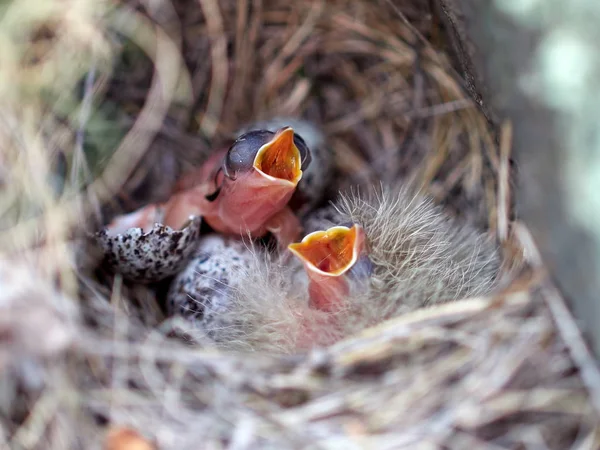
538, 63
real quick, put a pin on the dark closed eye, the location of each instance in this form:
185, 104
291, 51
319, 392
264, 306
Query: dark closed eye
242, 152
305, 155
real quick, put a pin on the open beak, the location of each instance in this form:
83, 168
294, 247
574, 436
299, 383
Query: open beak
279, 160
332, 252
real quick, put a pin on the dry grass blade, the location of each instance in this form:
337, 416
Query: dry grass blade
504, 182
216, 97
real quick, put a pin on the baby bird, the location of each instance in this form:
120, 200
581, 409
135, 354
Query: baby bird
243, 190
396, 252
317, 175
249, 192
420, 254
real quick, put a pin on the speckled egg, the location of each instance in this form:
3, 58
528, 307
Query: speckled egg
201, 292
149, 256
317, 176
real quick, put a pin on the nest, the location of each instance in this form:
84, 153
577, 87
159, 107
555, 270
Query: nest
88, 361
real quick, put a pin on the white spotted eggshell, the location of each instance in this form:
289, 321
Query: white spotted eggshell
202, 291
149, 256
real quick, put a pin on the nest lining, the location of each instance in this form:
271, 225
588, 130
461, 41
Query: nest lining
481, 373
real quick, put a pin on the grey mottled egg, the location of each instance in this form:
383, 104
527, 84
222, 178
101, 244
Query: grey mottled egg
202, 291
149, 256
316, 177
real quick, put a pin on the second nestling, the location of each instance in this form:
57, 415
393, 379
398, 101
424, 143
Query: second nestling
414, 255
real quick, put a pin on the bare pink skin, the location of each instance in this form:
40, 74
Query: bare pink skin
327, 293
180, 206
251, 205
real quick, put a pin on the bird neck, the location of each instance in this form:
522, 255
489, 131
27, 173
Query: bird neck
327, 293
251, 200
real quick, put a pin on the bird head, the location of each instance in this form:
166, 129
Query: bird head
332, 252
261, 171
278, 158
327, 256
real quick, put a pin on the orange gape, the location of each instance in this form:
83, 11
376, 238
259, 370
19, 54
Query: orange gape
243, 191
330, 251
327, 256
280, 159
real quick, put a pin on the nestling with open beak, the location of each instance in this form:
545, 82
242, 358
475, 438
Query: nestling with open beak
255, 183
316, 177
372, 257
327, 256
243, 190
218, 293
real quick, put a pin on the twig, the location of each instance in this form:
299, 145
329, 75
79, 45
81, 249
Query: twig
566, 324
503, 181
31, 432
220, 70
79, 159
578, 349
